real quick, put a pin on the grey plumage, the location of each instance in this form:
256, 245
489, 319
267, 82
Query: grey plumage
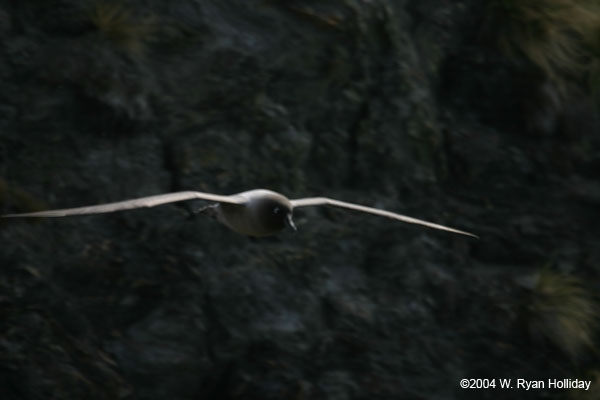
258, 212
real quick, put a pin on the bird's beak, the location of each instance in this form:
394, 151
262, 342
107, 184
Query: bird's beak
289, 222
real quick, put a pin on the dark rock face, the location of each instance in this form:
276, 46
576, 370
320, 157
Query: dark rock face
389, 103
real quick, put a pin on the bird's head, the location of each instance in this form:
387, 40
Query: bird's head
276, 214
286, 214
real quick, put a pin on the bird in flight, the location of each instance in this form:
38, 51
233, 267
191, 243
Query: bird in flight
257, 212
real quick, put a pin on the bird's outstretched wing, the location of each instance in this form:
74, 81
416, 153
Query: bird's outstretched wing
142, 202
324, 201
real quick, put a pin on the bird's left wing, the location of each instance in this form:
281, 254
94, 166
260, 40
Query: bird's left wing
324, 201
142, 202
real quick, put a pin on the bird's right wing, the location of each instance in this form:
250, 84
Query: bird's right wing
324, 201
142, 202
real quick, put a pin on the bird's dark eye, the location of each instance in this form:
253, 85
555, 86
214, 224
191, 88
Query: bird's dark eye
276, 210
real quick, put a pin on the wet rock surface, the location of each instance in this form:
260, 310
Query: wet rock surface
393, 104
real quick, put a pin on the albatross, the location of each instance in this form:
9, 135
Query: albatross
258, 212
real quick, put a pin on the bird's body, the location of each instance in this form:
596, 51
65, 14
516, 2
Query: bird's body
258, 212
257, 216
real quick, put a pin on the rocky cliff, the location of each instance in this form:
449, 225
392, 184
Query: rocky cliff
415, 107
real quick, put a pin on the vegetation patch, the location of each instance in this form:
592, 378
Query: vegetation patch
561, 311
560, 37
123, 27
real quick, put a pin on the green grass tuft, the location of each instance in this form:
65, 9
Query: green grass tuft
562, 312
558, 36
119, 25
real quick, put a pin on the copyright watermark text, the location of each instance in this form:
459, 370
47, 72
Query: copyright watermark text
524, 384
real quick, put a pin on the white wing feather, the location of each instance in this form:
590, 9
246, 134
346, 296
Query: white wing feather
324, 201
142, 202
